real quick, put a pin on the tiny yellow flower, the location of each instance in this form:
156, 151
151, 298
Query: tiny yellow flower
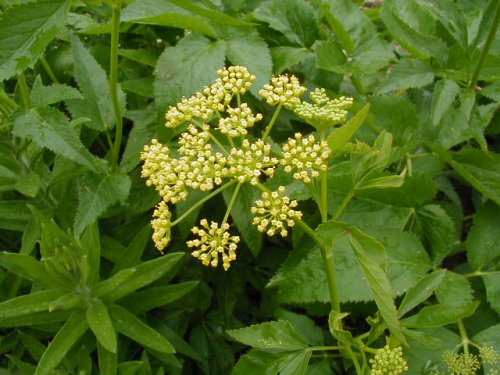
275, 213
283, 89
238, 120
388, 361
236, 79
161, 226
214, 241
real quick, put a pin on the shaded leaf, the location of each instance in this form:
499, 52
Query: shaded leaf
56, 92
454, 290
340, 136
439, 315
263, 363
101, 325
445, 92
409, 73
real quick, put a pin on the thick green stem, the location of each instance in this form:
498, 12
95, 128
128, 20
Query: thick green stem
201, 202
463, 335
113, 80
7, 102
486, 48
231, 203
25, 92
271, 123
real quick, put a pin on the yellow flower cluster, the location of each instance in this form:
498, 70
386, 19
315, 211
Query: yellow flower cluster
324, 112
461, 364
238, 120
161, 225
283, 89
388, 362
276, 213
214, 241
304, 157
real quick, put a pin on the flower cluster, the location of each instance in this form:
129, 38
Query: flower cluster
304, 157
161, 225
283, 89
276, 213
324, 112
238, 120
214, 241
461, 364
489, 355
388, 362
233, 80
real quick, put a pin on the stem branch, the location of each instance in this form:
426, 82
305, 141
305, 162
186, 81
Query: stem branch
113, 80
271, 123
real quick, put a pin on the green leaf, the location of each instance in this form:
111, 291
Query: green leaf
478, 168
331, 57
408, 74
45, 95
25, 31
445, 92
134, 250
339, 24
49, 128
420, 43
186, 68
129, 325
26, 266
294, 18
101, 325
489, 337
285, 57
214, 15
264, 363
492, 284
277, 336
163, 13
439, 315
14, 215
454, 290
246, 47
28, 185
340, 136
483, 238
91, 245
143, 56
107, 361
144, 274
384, 182
94, 85
113, 283
66, 337
243, 217
420, 292
97, 193
152, 298
29, 303
438, 229
297, 365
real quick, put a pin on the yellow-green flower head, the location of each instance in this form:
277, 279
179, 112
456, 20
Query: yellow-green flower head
283, 89
161, 172
388, 362
161, 226
194, 142
238, 120
275, 213
304, 157
324, 112
489, 355
461, 364
214, 241
248, 163
236, 79
197, 106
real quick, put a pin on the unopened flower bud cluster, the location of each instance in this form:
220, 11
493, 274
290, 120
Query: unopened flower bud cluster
216, 148
388, 361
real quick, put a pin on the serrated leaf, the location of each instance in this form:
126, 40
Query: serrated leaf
445, 92
454, 290
439, 315
492, 284
285, 57
408, 74
25, 31
14, 215
484, 237
421, 291
263, 363
297, 365
243, 46
93, 83
209, 13
339, 137
101, 325
163, 13
129, 325
186, 68
97, 193
243, 217
276, 336
49, 128
66, 337
45, 95
331, 57
439, 232
294, 18
420, 44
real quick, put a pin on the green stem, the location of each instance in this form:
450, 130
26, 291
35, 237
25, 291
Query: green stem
7, 102
49, 70
343, 204
324, 190
25, 92
357, 83
354, 359
271, 123
486, 48
113, 80
318, 348
201, 202
231, 203
463, 335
